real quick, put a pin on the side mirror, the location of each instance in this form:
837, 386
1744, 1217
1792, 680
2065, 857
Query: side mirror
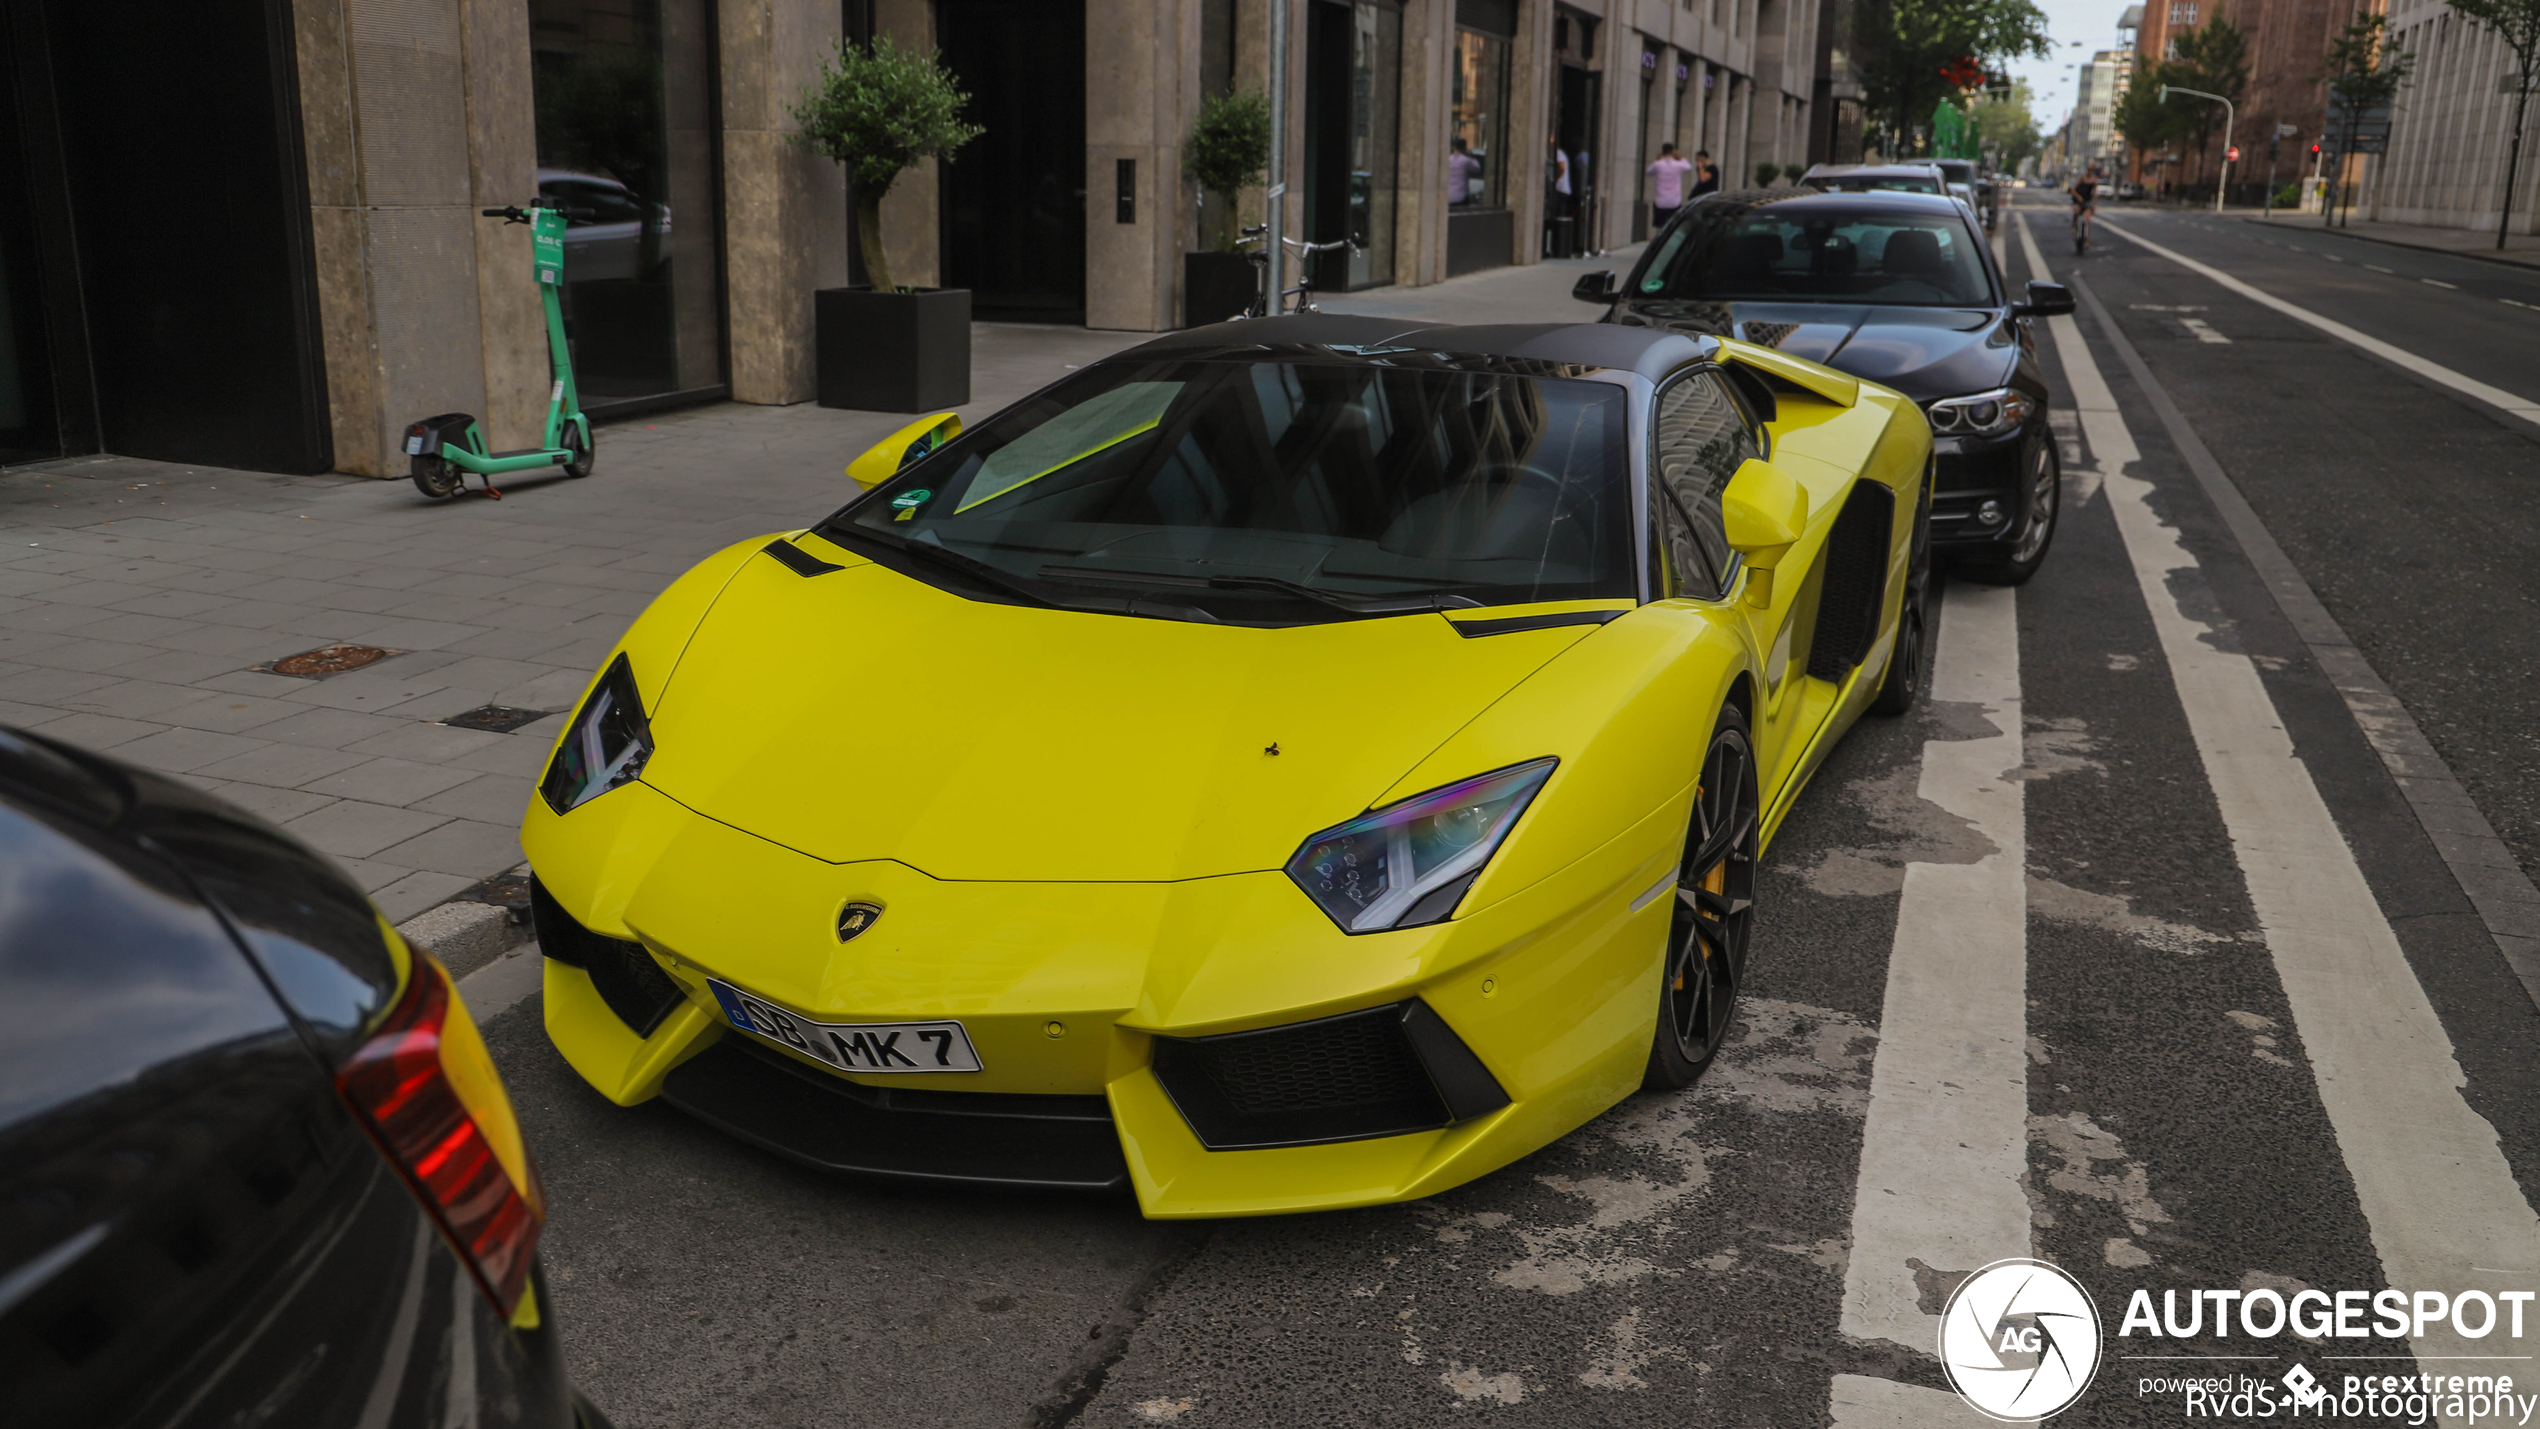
1764, 512
2045, 300
1596, 287
908, 445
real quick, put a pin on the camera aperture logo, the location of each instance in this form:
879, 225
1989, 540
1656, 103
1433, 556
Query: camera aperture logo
2020, 1340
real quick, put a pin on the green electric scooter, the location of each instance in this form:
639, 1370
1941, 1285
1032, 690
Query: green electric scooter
443, 450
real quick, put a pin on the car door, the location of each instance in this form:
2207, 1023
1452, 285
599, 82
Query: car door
1701, 435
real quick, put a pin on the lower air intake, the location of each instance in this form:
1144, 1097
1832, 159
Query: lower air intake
625, 976
1382, 1072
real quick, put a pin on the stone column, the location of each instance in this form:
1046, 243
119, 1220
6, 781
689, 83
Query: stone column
784, 207
415, 114
1141, 96
1530, 101
911, 227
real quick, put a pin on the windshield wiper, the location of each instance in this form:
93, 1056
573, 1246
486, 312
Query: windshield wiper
1356, 605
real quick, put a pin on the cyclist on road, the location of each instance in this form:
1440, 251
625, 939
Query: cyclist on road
2085, 192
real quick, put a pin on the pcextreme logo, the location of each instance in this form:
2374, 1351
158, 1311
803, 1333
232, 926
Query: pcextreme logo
2020, 1340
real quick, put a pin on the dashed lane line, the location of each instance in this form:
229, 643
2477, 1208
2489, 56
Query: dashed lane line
2429, 1174
1944, 1141
2397, 356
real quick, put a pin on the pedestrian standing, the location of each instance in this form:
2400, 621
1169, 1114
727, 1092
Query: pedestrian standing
1666, 186
1706, 175
1463, 173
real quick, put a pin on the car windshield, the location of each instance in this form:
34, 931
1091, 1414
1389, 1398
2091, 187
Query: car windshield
1278, 492
1821, 253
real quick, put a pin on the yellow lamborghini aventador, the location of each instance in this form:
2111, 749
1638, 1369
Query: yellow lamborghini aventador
1292, 764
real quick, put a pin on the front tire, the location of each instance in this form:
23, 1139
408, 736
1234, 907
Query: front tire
583, 445
2043, 506
1705, 964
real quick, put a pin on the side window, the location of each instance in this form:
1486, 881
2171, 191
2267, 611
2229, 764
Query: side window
1702, 439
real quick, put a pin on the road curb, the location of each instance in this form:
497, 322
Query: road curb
464, 936
2525, 264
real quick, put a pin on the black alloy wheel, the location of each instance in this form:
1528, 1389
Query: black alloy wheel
2042, 502
585, 450
1714, 907
1902, 682
437, 477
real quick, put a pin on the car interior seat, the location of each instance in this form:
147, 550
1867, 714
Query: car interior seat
1913, 253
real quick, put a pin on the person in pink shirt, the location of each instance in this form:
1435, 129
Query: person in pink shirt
1667, 183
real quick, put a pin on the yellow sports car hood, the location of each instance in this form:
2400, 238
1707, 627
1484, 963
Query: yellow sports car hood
860, 714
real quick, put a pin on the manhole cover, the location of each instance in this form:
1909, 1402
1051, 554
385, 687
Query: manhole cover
508, 891
496, 719
327, 660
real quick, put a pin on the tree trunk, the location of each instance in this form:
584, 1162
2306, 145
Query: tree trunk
2513, 161
868, 232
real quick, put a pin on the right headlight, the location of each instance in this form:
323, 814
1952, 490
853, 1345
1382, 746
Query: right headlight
1409, 863
607, 745
1985, 414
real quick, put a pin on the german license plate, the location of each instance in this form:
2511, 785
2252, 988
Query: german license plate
853, 1046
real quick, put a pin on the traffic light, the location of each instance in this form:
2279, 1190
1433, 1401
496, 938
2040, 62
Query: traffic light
2315, 151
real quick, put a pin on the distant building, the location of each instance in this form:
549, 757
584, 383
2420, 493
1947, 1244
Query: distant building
2450, 127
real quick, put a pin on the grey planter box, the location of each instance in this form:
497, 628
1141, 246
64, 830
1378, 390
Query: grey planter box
893, 352
1217, 286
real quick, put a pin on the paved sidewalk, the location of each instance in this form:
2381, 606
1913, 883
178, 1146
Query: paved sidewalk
137, 596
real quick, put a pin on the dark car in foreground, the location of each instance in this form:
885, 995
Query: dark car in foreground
1894, 288
256, 1167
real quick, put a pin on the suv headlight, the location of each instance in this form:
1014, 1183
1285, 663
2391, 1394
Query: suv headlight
606, 746
1986, 414
1408, 863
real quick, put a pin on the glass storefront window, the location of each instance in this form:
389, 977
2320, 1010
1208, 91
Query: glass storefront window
626, 144
1477, 161
1375, 110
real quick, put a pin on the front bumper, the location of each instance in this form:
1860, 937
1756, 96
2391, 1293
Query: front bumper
1973, 471
1068, 990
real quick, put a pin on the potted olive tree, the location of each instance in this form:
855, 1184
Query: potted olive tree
883, 347
1230, 149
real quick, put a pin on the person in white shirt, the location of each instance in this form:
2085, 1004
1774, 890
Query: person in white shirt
1667, 184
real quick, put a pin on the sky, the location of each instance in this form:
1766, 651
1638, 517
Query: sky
2091, 23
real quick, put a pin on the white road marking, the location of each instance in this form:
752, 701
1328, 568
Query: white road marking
2203, 330
2439, 283
1864, 1402
2522, 407
1944, 1144
2430, 1177
2379, 269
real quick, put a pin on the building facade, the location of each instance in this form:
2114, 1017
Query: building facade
2288, 46
2450, 127
305, 268
2090, 136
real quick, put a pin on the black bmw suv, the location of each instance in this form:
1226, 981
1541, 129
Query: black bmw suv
1893, 288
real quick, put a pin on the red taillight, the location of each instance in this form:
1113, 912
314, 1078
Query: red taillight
426, 1088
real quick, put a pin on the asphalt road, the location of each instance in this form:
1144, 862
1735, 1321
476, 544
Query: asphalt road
2234, 1015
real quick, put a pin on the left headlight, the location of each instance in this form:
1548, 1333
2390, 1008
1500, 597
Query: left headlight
1986, 414
1408, 863
607, 745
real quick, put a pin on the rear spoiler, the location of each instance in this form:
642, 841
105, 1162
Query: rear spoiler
1825, 382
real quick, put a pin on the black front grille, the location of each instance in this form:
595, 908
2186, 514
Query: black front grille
1992, 466
1855, 588
904, 1134
625, 976
1334, 1079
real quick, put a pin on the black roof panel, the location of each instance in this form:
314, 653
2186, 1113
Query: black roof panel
1650, 352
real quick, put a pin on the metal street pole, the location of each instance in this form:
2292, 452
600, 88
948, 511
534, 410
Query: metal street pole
2228, 115
2513, 158
1274, 228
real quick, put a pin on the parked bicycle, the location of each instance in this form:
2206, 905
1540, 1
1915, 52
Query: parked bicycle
1255, 248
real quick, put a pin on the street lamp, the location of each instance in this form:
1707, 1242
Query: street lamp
2169, 89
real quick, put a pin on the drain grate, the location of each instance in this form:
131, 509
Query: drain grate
327, 660
496, 719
